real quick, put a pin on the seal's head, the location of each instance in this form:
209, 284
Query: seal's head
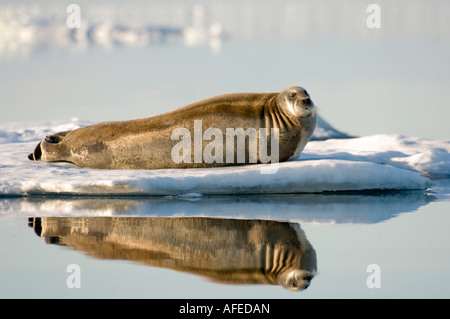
296, 100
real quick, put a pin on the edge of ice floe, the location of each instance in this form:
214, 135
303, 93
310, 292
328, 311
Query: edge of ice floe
291, 177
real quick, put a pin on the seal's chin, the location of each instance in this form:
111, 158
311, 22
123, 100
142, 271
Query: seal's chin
308, 112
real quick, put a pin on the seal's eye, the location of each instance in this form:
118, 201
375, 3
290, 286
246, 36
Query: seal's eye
292, 95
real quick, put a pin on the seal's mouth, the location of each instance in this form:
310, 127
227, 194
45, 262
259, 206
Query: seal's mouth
306, 107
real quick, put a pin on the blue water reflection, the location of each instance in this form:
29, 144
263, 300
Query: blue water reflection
338, 208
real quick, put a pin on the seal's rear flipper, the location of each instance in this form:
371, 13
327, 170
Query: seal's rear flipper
50, 149
36, 155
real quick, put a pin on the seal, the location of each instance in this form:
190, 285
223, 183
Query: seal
229, 129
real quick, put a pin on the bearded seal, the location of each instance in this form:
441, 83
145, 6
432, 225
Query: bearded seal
282, 122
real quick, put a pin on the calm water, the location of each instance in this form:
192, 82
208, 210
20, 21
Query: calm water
391, 80
218, 247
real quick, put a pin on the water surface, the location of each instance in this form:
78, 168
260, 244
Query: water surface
228, 247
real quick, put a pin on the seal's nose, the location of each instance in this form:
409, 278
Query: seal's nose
306, 102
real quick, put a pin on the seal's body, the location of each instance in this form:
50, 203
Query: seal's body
171, 140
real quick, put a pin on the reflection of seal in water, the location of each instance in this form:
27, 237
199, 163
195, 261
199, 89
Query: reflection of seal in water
148, 143
233, 251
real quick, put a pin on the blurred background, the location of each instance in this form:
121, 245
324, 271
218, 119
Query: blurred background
136, 59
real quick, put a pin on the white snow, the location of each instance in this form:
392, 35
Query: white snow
330, 162
430, 158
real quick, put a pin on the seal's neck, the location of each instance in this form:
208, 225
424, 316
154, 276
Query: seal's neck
277, 116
